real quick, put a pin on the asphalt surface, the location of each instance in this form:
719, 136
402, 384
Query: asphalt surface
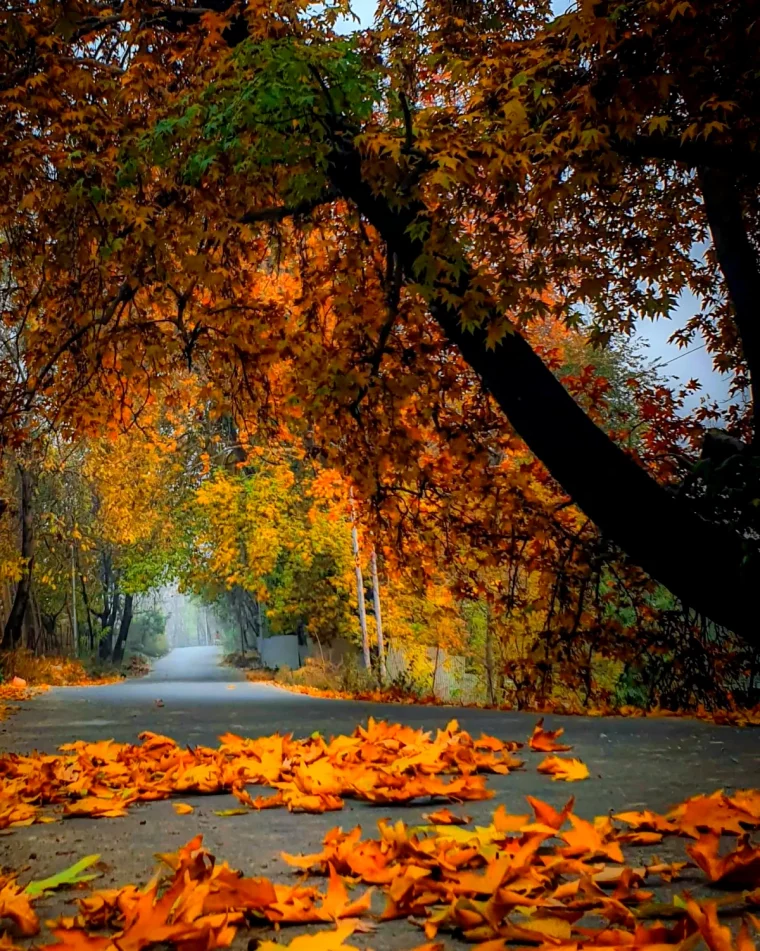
634, 764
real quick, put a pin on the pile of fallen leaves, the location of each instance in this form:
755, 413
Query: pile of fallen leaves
380, 763
13, 690
547, 879
51, 671
375, 695
733, 716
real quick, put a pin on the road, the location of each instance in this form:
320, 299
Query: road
634, 764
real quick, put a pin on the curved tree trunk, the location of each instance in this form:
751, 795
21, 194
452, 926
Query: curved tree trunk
711, 568
15, 623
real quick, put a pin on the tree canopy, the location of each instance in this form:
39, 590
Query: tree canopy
364, 244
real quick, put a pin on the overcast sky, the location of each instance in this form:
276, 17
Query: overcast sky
679, 364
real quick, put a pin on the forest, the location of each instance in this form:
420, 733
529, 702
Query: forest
333, 331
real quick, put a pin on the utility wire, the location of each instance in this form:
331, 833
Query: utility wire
681, 355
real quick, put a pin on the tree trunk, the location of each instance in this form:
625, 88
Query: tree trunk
739, 263
14, 626
108, 621
87, 612
360, 598
709, 567
489, 658
378, 618
111, 603
73, 612
126, 620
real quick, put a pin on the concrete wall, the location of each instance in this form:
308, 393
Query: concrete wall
339, 651
280, 651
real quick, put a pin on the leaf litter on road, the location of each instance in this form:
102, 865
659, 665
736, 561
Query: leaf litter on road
525, 879
379, 763
535, 885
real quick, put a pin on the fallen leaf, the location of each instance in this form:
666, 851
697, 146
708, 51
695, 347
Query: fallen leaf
321, 941
568, 770
15, 904
740, 867
69, 876
444, 817
545, 741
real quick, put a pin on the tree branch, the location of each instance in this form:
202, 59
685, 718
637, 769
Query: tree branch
690, 153
281, 212
696, 560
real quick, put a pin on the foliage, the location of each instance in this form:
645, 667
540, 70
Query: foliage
147, 634
51, 671
262, 282
346, 677
356, 244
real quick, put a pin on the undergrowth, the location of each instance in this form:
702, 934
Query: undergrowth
53, 671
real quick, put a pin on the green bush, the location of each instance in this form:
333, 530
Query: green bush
147, 634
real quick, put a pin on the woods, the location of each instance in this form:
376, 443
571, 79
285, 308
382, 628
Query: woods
264, 281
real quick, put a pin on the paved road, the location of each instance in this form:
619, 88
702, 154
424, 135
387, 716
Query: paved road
634, 763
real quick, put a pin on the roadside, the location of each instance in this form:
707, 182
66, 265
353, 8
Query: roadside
634, 765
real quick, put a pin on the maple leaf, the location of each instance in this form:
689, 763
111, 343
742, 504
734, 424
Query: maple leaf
16, 814
567, 770
740, 867
588, 840
96, 806
183, 808
547, 815
717, 937
545, 741
505, 823
716, 813
336, 903
445, 817
15, 904
321, 941
73, 875
647, 821
230, 892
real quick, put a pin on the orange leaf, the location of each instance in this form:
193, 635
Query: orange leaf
545, 741
568, 770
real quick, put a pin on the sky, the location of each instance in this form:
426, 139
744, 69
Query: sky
678, 365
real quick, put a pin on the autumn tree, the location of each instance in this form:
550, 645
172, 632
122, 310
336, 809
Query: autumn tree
344, 230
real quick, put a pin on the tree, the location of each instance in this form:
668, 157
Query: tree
498, 167
14, 624
268, 537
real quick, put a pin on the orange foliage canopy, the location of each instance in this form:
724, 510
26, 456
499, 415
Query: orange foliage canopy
151, 152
